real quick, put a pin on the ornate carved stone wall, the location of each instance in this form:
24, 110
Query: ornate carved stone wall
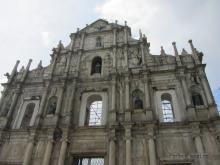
106, 98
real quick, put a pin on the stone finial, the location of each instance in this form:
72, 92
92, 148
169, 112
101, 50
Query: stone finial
60, 45
184, 52
40, 65
28, 65
60, 42
192, 46
15, 67
86, 25
77, 30
175, 48
140, 34
162, 51
125, 23
190, 41
116, 22
174, 43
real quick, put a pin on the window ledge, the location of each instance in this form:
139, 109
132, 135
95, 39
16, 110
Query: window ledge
92, 127
138, 110
50, 115
96, 75
200, 107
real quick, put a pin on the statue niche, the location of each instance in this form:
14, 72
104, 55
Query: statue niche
96, 65
52, 105
137, 101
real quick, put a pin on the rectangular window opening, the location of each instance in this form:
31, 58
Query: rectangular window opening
88, 161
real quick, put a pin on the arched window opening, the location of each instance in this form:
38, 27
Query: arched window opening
94, 111
167, 107
27, 115
197, 99
96, 65
137, 97
52, 105
98, 41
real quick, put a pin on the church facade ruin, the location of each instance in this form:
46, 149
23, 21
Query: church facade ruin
104, 99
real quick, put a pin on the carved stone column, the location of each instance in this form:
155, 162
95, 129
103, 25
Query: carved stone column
14, 102
114, 57
59, 103
113, 95
61, 160
78, 61
68, 114
127, 100
29, 151
146, 92
149, 113
68, 63
185, 90
114, 47
128, 145
113, 104
42, 104
1, 101
142, 54
112, 147
207, 90
126, 57
198, 144
151, 147
48, 152
217, 133
62, 155
114, 36
191, 113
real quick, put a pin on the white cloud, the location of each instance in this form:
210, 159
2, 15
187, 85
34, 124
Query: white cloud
46, 38
166, 21
31, 28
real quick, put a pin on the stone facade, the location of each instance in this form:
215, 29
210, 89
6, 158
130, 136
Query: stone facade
155, 109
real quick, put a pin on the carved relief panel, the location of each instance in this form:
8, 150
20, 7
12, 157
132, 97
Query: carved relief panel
134, 57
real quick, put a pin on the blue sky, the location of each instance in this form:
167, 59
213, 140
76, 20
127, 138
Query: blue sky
31, 28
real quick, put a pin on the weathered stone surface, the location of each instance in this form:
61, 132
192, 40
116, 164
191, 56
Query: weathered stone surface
133, 135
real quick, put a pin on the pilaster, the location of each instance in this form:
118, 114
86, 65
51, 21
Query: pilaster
42, 105
112, 115
68, 112
128, 138
29, 150
198, 143
112, 150
48, 151
127, 100
151, 147
61, 160
148, 108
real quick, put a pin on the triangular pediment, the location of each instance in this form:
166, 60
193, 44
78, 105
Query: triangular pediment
98, 23
97, 26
